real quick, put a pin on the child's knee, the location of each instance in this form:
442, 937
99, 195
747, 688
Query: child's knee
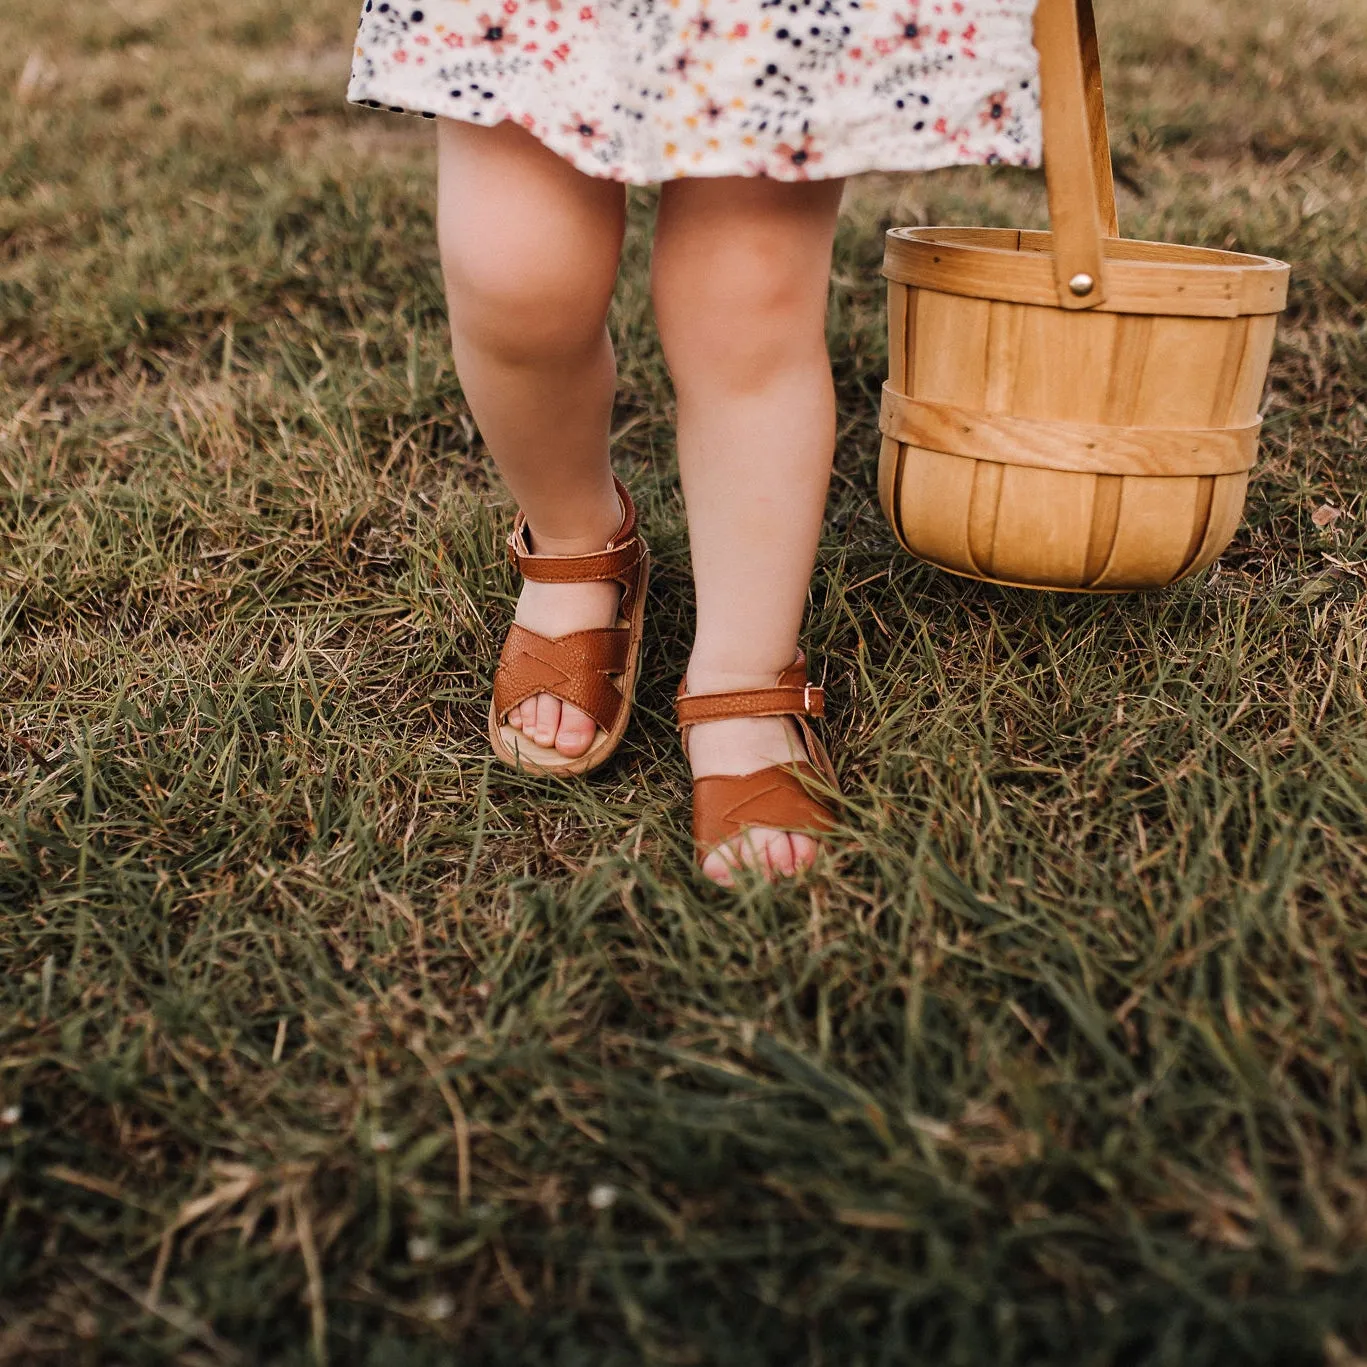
522, 303
744, 320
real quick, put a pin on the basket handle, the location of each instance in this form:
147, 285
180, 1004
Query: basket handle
1077, 152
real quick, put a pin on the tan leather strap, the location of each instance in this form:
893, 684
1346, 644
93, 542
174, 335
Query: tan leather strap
790, 695
1053, 445
574, 668
725, 805
576, 569
1076, 148
618, 561
807, 701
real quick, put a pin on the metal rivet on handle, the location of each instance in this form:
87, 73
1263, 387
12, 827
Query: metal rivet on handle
1081, 283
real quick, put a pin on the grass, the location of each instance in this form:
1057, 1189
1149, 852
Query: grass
323, 1040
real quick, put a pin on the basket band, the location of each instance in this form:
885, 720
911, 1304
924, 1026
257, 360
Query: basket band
1084, 448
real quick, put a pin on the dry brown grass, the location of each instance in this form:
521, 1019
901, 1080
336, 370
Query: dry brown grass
320, 1039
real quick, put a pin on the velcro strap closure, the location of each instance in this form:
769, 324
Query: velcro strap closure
807, 701
616, 563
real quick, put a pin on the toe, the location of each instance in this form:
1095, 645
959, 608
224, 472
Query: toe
547, 719
804, 852
576, 731
527, 715
750, 850
778, 854
719, 866
775, 854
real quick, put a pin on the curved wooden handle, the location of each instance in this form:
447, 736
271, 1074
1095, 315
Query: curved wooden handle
1077, 153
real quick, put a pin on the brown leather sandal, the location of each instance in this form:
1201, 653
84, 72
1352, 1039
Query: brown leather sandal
594, 670
780, 796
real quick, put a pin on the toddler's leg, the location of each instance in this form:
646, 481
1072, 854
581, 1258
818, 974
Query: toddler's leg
740, 276
529, 252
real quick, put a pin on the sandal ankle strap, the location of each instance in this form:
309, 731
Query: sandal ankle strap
791, 695
617, 560
807, 701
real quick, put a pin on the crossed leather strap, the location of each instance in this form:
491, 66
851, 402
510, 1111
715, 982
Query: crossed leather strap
779, 797
576, 667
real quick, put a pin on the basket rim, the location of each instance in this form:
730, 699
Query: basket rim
1152, 253
1016, 265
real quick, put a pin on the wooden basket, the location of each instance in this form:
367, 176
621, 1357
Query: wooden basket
1070, 410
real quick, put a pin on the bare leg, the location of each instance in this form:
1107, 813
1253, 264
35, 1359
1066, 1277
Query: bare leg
740, 276
529, 252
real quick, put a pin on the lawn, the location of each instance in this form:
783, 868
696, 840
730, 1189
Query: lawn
323, 1040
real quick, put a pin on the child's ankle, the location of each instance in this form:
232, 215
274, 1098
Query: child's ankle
705, 676
599, 528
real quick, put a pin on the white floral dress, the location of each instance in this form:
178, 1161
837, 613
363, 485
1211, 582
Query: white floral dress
649, 90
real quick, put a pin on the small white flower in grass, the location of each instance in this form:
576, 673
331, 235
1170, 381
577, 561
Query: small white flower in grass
602, 1196
10, 1115
420, 1249
441, 1307
381, 1141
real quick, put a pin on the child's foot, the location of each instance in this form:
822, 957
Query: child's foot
742, 745
557, 610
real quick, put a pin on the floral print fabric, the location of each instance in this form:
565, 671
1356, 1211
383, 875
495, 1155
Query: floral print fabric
649, 90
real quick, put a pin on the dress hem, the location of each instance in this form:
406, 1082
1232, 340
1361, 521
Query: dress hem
569, 149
